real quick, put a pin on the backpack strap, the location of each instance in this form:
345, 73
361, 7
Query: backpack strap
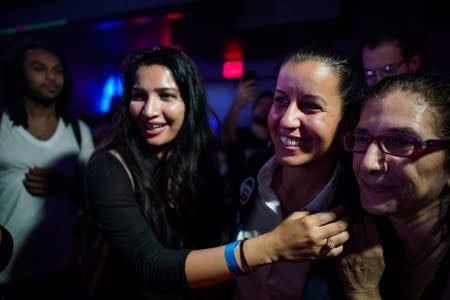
124, 165
75, 124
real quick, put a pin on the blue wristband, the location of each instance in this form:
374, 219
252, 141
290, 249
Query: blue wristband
231, 259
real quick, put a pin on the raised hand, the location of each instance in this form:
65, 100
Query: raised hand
245, 93
362, 263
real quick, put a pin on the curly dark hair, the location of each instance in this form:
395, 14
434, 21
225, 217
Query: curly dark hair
181, 192
409, 43
16, 85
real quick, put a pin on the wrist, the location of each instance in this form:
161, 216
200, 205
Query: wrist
231, 254
369, 294
265, 244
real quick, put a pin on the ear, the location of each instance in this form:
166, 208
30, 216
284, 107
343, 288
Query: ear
415, 63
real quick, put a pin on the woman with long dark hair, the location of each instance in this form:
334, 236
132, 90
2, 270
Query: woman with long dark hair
156, 193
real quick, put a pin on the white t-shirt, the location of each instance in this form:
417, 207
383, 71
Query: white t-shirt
42, 227
283, 280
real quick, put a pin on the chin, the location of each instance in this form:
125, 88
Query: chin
47, 101
376, 205
294, 160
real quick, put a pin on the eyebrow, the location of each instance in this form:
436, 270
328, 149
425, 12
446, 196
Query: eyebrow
164, 89
307, 96
40, 63
402, 130
314, 97
280, 91
137, 87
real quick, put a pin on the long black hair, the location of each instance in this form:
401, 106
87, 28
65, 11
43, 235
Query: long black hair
16, 85
181, 192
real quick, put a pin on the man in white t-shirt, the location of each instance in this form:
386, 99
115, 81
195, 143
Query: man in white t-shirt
42, 152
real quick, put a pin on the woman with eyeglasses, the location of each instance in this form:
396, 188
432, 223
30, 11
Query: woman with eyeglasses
401, 160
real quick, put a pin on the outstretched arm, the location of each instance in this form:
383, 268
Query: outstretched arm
302, 236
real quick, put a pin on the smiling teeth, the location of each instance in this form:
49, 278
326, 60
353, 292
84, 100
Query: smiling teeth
154, 126
289, 142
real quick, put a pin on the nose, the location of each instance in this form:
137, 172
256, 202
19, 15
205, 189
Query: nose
50, 74
151, 107
380, 76
373, 160
291, 116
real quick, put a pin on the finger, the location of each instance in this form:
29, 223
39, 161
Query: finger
36, 178
35, 185
336, 251
36, 190
325, 217
333, 228
339, 239
334, 241
39, 171
298, 214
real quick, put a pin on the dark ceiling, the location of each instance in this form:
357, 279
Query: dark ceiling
11, 5
265, 28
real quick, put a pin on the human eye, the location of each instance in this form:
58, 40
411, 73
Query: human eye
310, 106
281, 100
358, 142
167, 95
38, 67
398, 144
369, 73
138, 95
59, 70
388, 69
361, 139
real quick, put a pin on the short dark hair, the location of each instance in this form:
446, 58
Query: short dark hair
15, 85
408, 45
435, 91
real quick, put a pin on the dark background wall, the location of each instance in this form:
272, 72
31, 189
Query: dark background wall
96, 35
